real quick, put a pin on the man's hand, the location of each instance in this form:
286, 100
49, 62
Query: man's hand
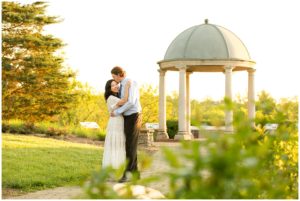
112, 114
121, 102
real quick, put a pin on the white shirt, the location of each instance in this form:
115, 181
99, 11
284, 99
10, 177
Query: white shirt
133, 103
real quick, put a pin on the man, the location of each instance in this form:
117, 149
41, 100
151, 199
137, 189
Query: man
132, 119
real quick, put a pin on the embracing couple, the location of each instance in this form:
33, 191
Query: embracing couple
122, 98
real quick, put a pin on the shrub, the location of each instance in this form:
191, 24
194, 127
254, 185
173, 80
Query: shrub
97, 134
50, 129
172, 126
17, 126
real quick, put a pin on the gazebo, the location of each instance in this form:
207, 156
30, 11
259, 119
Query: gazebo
203, 48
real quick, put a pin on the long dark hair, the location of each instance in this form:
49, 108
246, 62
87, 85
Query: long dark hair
108, 90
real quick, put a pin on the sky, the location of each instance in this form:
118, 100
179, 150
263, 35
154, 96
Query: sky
135, 35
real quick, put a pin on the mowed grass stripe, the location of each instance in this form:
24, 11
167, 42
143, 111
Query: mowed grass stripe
31, 163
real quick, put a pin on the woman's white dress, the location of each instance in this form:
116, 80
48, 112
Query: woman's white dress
114, 146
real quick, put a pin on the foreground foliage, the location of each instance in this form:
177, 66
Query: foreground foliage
245, 165
248, 164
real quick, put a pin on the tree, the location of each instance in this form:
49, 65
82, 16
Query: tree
88, 106
35, 85
287, 111
149, 103
265, 103
265, 109
172, 106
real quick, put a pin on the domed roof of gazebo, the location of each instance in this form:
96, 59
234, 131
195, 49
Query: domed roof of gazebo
207, 41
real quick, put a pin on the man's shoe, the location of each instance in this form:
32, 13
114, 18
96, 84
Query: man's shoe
123, 180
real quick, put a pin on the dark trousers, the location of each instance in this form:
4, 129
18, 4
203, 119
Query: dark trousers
132, 125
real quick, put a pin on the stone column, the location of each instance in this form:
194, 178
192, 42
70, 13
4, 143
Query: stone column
182, 118
251, 97
162, 129
188, 104
228, 95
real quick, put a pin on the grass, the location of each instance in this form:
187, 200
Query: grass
32, 163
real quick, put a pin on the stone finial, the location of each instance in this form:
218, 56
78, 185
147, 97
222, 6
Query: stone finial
206, 21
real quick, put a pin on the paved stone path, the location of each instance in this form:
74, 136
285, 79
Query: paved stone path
158, 166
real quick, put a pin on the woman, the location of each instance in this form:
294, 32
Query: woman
114, 146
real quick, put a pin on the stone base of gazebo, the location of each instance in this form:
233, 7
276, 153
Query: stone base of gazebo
182, 135
229, 129
161, 135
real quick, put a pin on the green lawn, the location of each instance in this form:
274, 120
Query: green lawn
31, 163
